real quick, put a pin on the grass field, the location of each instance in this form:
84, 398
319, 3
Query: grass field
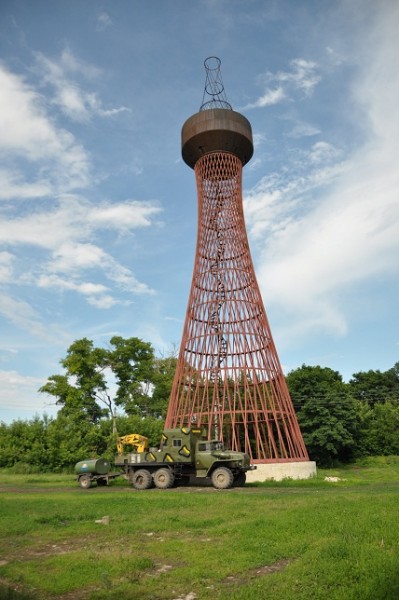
291, 540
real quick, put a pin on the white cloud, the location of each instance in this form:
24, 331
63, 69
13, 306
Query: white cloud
6, 268
271, 96
69, 62
281, 85
74, 101
27, 133
338, 225
96, 293
65, 255
13, 186
302, 129
69, 258
322, 152
26, 318
281, 199
20, 393
86, 288
130, 214
24, 127
103, 302
103, 21
74, 220
76, 258
302, 75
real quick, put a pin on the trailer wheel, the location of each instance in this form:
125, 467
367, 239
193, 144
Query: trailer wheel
222, 478
85, 481
164, 478
240, 479
142, 479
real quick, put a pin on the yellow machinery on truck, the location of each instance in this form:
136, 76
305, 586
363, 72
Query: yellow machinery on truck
139, 442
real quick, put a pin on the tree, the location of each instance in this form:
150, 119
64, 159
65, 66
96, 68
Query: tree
97, 379
326, 413
377, 433
164, 371
376, 386
132, 363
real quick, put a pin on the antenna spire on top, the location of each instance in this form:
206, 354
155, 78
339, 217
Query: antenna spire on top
214, 94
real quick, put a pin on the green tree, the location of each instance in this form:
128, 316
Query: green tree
98, 379
132, 363
378, 429
164, 371
25, 444
376, 386
326, 413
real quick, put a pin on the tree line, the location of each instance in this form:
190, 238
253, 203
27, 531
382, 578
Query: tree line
124, 388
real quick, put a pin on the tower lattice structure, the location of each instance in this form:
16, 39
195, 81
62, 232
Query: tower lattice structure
228, 378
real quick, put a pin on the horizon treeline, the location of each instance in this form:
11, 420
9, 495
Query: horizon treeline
125, 388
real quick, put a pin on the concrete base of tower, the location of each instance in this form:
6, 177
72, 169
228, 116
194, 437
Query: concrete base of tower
283, 470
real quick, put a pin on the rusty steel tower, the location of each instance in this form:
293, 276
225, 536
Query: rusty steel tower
228, 377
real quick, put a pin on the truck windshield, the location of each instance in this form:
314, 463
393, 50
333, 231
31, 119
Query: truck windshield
216, 446
210, 446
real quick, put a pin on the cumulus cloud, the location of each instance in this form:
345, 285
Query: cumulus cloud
338, 224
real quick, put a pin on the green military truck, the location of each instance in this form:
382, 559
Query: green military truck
184, 453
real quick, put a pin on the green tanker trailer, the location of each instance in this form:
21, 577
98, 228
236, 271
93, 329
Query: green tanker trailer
94, 469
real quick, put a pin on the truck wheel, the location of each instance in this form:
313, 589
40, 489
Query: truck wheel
164, 478
222, 478
142, 479
240, 479
85, 481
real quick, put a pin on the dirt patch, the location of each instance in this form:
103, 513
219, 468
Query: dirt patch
62, 547
276, 567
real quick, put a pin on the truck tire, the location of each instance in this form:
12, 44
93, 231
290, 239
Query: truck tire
240, 479
85, 481
222, 478
164, 478
142, 479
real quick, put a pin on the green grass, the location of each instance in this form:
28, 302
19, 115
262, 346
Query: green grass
289, 540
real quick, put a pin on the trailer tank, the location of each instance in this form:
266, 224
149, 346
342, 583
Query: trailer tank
95, 466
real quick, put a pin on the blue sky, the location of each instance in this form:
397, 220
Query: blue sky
98, 211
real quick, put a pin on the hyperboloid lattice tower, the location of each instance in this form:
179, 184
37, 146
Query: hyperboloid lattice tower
228, 377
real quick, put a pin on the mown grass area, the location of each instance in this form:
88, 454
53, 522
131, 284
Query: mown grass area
304, 540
